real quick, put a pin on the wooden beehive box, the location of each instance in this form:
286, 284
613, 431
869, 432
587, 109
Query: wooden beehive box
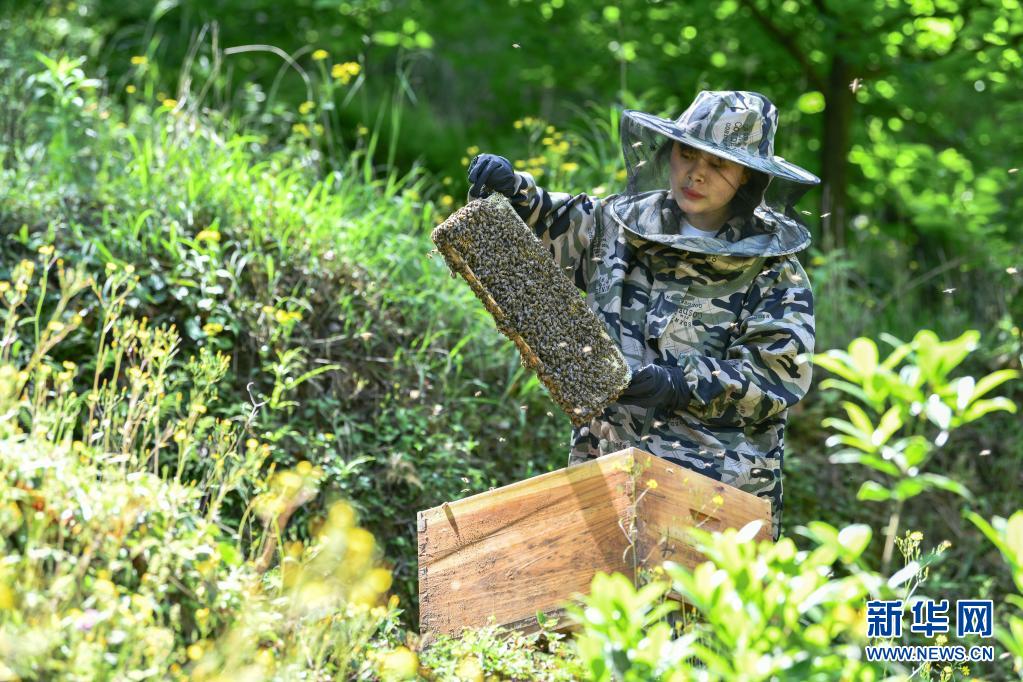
531, 545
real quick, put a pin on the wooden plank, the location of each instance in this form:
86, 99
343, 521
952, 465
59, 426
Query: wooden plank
530, 546
524, 548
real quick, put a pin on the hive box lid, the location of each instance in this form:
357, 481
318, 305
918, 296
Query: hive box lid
530, 546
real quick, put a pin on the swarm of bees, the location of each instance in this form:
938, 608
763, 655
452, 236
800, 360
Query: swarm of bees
535, 305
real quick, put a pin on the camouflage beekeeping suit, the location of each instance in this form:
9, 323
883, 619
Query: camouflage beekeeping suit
733, 310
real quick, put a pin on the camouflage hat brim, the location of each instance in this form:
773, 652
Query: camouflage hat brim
773, 165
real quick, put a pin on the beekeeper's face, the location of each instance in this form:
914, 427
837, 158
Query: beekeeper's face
703, 185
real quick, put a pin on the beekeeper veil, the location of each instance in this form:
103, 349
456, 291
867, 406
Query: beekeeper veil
735, 125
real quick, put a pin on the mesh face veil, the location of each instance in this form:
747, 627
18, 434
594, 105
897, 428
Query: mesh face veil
738, 126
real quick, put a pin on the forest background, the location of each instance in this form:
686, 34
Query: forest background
265, 176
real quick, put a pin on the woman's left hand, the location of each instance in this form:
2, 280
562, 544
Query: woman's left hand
657, 386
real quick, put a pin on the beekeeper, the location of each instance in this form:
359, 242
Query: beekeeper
693, 271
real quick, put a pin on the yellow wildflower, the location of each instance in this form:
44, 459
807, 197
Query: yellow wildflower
46, 249
130, 89
362, 130
718, 500
305, 107
170, 103
212, 328
320, 55
301, 129
345, 72
570, 166
208, 236
447, 200
139, 60
652, 484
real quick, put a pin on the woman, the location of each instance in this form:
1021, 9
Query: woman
694, 273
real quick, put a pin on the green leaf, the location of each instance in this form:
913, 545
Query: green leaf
858, 417
907, 488
853, 540
945, 483
992, 380
863, 352
837, 362
891, 421
874, 492
982, 407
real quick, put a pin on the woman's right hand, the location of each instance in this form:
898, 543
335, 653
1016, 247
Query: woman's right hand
493, 171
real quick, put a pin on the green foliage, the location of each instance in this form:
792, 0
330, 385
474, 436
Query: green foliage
1007, 536
622, 637
907, 399
759, 610
494, 653
112, 569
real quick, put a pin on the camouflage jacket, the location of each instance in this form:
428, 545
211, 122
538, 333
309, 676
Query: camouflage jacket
735, 311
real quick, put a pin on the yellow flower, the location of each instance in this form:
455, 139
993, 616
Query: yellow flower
345, 72
570, 166
305, 107
251, 444
301, 129
362, 130
139, 60
547, 141
180, 436
303, 468
212, 328
447, 200
208, 236
170, 103
520, 164
473, 150
46, 249
320, 55
652, 484
718, 500
195, 652
130, 89
517, 124
916, 535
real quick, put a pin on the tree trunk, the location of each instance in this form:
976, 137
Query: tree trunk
835, 151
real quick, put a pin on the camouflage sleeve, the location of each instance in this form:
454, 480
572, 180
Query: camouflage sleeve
565, 223
764, 370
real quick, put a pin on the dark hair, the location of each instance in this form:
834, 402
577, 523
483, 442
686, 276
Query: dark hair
746, 198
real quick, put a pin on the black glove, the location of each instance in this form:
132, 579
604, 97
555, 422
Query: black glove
657, 386
493, 171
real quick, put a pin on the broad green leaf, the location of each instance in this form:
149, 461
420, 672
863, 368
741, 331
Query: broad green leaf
838, 362
863, 352
982, 407
946, 483
992, 380
896, 356
876, 463
891, 421
907, 488
858, 417
914, 450
874, 492
846, 387
845, 427
853, 540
